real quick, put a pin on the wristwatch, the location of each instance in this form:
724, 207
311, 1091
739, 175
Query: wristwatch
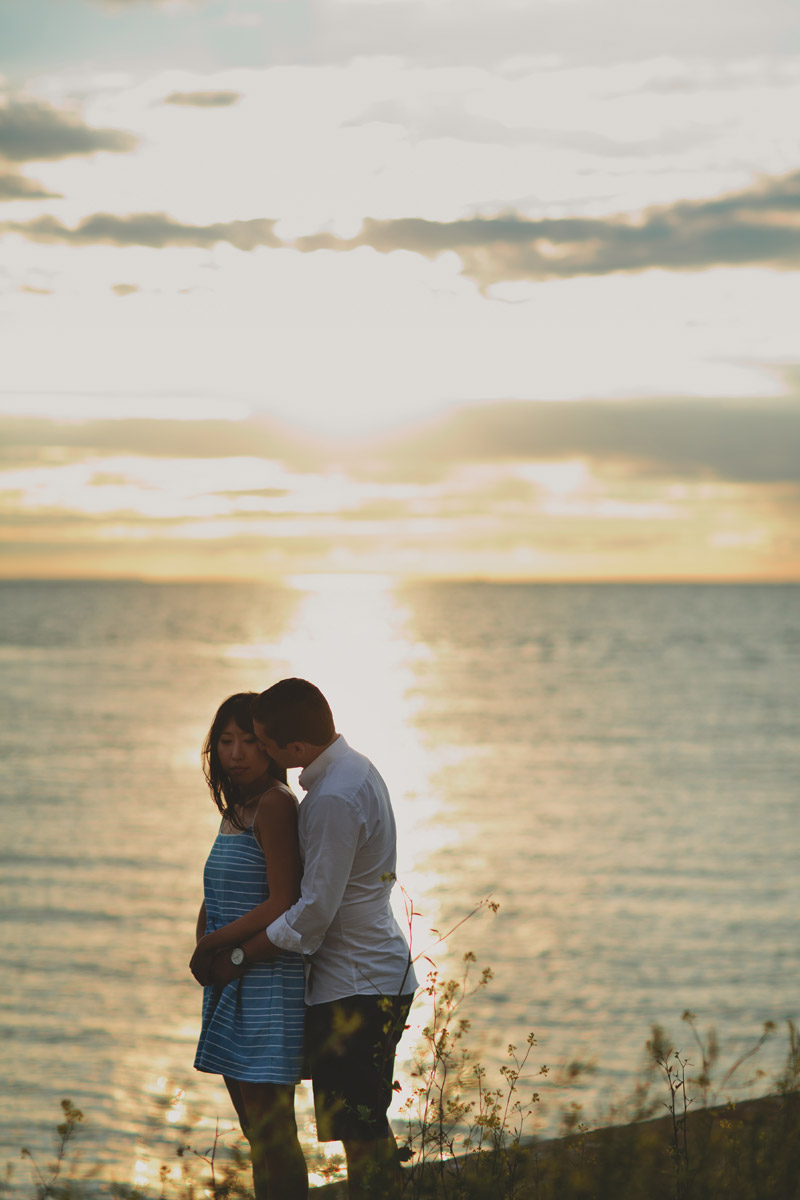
237, 956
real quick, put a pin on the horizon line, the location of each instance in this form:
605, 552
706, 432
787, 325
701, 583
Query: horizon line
300, 580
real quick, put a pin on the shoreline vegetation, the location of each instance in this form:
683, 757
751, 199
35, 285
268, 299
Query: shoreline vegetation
679, 1136
748, 1150
467, 1141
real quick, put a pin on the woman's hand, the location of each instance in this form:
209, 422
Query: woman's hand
223, 971
214, 966
202, 959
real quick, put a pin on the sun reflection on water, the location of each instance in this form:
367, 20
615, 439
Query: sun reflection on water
141, 1173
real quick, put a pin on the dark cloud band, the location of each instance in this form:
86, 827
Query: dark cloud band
749, 442
759, 225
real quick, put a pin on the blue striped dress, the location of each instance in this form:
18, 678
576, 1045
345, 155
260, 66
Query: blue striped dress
252, 1028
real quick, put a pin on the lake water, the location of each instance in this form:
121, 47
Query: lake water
617, 766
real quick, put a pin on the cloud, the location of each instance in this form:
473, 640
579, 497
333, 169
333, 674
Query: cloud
757, 225
204, 99
17, 187
31, 130
156, 230
28, 437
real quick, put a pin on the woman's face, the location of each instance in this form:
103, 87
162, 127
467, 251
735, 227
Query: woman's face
240, 755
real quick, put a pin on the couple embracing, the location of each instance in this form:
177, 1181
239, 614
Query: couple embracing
306, 972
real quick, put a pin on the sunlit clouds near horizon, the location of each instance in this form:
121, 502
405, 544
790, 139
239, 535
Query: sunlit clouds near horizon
483, 290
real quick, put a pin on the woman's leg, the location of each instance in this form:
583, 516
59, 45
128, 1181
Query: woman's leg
234, 1087
235, 1093
279, 1166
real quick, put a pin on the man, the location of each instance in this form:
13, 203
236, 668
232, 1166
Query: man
360, 981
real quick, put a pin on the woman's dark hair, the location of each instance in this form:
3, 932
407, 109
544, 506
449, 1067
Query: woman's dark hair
294, 710
227, 796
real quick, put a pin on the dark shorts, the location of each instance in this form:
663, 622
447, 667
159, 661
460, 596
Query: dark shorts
350, 1049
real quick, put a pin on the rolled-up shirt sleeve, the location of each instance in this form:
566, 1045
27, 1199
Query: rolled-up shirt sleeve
333, 833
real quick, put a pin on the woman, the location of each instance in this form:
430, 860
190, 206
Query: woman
252, 1028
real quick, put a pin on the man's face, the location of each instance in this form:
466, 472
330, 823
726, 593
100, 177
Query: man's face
284, 757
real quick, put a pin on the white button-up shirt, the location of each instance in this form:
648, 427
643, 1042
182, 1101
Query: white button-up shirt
343, 922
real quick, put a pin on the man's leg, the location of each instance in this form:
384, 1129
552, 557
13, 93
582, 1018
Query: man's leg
373, 1170
352, 1044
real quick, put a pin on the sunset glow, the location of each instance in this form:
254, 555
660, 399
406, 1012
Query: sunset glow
401, 288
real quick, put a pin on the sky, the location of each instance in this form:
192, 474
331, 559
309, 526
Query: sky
501, 289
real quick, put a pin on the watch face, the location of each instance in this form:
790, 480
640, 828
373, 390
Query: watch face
237, 956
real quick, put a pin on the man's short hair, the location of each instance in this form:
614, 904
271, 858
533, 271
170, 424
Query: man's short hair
294, 710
